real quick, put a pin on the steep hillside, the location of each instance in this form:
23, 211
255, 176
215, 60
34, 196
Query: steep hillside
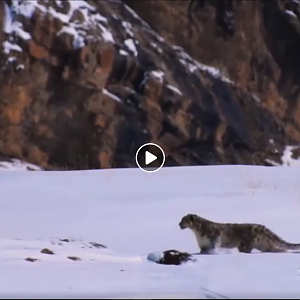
84, 83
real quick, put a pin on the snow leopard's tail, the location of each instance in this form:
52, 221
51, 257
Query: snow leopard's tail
279, 242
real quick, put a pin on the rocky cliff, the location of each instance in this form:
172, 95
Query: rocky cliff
83, 84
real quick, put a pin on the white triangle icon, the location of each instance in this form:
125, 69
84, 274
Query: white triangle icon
149, 158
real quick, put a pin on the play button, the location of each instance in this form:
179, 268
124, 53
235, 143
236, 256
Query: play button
150, 157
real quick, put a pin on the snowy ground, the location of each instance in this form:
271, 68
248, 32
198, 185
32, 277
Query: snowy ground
135, 213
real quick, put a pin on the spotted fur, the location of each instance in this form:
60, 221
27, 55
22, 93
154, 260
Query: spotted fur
244, 236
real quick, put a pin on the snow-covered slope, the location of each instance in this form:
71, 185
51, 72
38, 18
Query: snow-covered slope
133, 214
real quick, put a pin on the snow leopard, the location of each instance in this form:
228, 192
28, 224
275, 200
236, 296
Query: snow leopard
243, 236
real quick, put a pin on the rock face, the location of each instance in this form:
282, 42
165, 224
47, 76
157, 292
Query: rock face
83, 84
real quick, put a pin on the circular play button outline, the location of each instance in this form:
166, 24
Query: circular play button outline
163, 156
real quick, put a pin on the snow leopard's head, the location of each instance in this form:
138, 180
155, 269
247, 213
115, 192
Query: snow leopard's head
188, 221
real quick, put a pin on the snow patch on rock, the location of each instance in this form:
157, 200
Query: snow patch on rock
78, 29
18, 165
287, 159
81, 29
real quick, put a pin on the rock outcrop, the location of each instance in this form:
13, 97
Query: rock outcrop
83, 84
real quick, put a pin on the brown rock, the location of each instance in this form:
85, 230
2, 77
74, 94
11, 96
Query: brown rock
75, 258
30, 259
47, 251
65, 240
76, 94
97, 245
296, 153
